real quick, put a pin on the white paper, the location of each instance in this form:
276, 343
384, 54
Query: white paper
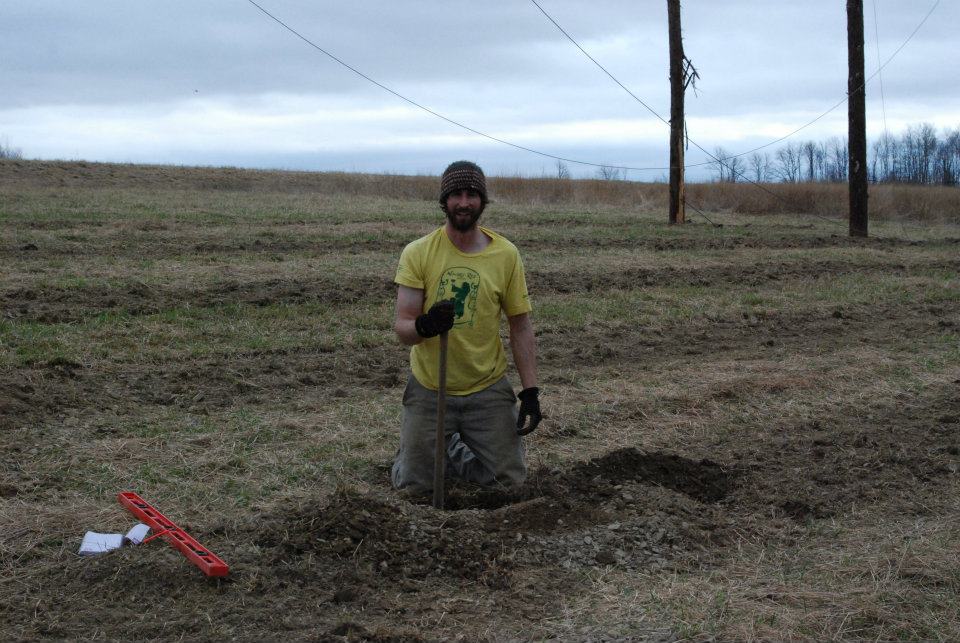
136, 534
94, 543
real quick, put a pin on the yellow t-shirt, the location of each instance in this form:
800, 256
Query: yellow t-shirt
482, 285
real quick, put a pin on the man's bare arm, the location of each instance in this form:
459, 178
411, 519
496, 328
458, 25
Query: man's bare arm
409, 307
524, 347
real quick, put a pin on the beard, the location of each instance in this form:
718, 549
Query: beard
463, 223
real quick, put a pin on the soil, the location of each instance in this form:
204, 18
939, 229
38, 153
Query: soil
51, 389
366, 564
51, 304
583, 517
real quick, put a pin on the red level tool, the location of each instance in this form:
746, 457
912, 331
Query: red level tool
206, 560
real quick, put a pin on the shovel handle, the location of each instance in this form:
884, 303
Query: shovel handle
440, 458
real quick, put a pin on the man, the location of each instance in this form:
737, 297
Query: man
460, 278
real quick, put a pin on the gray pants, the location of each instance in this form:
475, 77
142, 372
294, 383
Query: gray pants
481, 431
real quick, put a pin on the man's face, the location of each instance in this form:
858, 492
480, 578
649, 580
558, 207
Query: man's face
463, 208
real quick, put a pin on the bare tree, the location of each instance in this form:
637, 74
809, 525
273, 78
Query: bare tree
918, 155
947, 170
719, 164
608, 173
835, 161
736, 168
563, 172
760, 166
728, 167
809, 152
926, 148
789, 162
914, 154
820, 155
884, 159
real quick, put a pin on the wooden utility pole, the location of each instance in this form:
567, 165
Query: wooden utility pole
677, 90
857, 117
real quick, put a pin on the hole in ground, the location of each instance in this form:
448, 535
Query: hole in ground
703, 480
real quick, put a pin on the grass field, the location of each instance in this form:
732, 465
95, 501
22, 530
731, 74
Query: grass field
752, 432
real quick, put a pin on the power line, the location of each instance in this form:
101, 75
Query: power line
634, 96
700, 212
652, 111
612, 77
844, 99
622, 86
876, 37
602, 68
781, 139
756, 149
438, 114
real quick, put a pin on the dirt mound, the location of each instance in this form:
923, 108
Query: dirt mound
382, 536
602, 512
702, 480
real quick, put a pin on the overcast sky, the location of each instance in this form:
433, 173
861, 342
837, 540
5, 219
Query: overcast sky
218, 82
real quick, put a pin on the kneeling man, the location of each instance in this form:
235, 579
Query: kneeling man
461, 278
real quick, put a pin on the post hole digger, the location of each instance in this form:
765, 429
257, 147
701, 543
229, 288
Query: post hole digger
440, 455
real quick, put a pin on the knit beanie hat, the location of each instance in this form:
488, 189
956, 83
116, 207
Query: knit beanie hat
462, 175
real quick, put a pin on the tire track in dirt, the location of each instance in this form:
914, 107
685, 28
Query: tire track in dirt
53, 305
827, 465
599, 344
39, 393
184, 243
583, 281
729, 243
66, 305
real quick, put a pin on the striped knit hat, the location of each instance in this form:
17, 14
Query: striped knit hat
462, 175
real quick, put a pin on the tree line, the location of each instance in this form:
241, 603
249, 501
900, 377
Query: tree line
917, 156
8, 152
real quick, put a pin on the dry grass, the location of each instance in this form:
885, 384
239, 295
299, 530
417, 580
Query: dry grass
840, 581
900, 202
220, 340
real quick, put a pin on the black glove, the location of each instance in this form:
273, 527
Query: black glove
439, 319
529, 408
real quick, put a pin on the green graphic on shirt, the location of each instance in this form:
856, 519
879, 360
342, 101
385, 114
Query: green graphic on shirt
461, 285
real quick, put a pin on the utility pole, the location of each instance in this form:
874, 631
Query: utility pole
857, 119
677, 89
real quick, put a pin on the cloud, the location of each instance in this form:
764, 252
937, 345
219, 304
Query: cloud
219, 80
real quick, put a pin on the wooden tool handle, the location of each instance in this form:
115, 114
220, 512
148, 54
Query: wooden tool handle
440, 459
